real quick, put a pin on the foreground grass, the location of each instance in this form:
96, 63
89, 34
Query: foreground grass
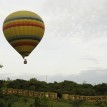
31, 101
60, 104
23, 102
76, 104
20, 101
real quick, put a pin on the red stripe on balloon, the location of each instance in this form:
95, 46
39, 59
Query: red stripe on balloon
22, 24
24, 43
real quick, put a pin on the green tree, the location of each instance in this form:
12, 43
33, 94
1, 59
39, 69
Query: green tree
37, 102
101, 89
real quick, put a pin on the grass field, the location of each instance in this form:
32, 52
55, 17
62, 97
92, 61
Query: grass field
51, 103
22, 103
72, 104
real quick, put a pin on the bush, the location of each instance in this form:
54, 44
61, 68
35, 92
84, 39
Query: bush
100, 104
77, 103
7, 100
41, 102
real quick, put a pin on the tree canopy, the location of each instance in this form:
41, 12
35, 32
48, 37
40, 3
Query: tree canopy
65, 86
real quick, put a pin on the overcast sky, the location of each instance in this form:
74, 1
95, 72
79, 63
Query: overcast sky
74, 46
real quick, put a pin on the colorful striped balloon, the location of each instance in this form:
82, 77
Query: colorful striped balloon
23, 30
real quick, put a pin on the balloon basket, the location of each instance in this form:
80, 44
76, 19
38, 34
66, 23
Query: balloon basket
25, 61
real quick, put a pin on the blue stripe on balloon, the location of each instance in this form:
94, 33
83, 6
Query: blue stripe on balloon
21, 37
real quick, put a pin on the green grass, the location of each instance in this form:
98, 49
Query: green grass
60, 104
20, 103
51, 103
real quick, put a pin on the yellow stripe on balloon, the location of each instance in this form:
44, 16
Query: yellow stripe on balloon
24, 48
22, 13
24, 30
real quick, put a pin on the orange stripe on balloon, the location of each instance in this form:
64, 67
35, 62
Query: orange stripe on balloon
15, 44
22, 24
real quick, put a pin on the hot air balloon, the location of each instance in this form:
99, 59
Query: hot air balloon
23, 30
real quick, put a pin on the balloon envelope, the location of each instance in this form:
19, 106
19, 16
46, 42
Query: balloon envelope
23, 30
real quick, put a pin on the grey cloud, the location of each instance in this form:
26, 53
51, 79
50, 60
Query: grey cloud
92, 59
71, 18
80, 21
94, 76
90, 76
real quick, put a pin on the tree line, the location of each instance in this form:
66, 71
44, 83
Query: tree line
63, 87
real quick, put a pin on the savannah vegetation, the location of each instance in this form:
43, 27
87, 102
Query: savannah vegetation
69, 87
20, 101
58, 87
